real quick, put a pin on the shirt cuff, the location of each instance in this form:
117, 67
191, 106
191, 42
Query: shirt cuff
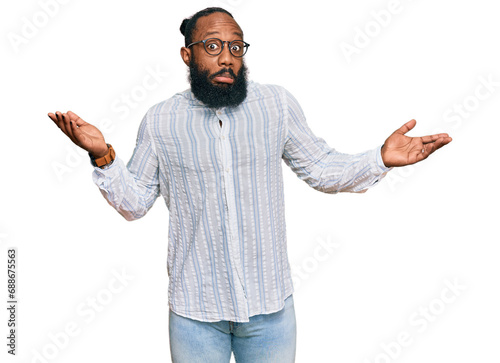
103, 176
380, 163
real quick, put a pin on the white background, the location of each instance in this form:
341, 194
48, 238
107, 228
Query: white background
396, 245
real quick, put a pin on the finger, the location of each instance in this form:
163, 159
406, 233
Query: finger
406, 127
439, 143
78, 134
52, 117
432, 147
69, 129
431, 138
76, 119
60, 122
442, 142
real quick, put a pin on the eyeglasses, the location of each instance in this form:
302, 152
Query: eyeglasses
214, 46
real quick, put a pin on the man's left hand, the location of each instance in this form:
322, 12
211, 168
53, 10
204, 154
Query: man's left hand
401, 150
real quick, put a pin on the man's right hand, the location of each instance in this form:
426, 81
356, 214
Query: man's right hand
83, 134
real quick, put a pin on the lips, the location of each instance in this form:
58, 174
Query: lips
224, 78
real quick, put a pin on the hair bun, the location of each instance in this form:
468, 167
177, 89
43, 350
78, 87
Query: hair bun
184, 26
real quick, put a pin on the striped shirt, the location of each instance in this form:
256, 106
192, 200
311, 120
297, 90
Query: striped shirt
220, 174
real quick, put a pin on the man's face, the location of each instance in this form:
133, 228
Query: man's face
219, 80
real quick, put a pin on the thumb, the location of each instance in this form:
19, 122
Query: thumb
406, 127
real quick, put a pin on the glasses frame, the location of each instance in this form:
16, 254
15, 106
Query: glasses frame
245, 45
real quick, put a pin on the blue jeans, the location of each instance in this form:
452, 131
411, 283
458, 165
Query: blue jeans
265, 338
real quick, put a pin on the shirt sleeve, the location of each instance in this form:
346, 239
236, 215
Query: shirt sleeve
322, 167
132, 189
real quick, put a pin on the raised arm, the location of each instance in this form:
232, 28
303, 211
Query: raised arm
131, 189
321, 166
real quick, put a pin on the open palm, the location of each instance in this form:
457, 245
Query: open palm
82, 133
401, 150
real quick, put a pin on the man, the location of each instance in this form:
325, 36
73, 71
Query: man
214, 153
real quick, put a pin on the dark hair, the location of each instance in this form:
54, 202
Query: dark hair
189, 24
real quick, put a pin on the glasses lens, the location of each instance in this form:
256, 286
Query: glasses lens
237, 48
213, 46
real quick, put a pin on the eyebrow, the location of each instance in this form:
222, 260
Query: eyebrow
213, 33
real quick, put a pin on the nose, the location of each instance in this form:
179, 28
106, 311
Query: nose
226, 58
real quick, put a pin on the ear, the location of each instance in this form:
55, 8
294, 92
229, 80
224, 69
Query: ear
186, 55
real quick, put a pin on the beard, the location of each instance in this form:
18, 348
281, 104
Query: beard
215, 95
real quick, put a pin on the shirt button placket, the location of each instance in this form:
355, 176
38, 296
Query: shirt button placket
231, 222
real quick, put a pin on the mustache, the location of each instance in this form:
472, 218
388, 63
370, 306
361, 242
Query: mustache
223, 71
